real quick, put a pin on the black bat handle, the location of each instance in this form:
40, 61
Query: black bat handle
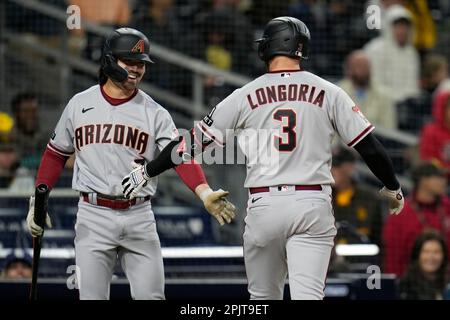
40, 204
40, 211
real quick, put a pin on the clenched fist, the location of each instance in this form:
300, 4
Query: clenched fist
33, 228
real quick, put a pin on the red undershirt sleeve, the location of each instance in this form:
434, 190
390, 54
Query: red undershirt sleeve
191, 174
52, 164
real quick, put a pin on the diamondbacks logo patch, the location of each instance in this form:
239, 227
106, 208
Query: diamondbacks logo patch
139, 47
208, 118
357, 110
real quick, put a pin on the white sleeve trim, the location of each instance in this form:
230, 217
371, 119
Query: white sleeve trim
56, 150
209, 135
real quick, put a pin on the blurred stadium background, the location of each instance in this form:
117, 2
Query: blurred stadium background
203, 50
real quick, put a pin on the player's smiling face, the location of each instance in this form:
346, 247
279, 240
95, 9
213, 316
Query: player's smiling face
135, 69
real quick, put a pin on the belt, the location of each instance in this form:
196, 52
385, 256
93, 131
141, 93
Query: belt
116, 203
313, 187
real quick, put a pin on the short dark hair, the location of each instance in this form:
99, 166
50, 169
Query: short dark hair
19, 98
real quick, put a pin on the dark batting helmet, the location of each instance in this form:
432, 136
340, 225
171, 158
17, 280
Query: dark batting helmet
123, 43
285, 36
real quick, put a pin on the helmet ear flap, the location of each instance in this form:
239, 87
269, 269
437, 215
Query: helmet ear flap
112, 69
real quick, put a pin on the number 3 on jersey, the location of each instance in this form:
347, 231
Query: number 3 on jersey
288, 141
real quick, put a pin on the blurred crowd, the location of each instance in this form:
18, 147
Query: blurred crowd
398, 76
17, 266
23, 138
413, 244
391, 68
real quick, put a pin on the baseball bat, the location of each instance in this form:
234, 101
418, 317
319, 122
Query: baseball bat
40, 210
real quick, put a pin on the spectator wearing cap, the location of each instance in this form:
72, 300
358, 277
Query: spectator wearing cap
357, 209
427, 208
394, 59
426, 276
18, 266
434, 142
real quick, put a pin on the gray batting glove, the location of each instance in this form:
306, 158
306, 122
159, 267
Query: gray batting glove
218, 206
396, 199
133, 183
33, 228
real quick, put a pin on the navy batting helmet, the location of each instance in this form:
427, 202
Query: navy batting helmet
286, 36
125, 43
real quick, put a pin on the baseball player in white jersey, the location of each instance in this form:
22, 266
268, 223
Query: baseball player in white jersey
289, 227
109, 127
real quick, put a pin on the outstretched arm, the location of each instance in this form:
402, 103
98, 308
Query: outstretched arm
376, 158
168, 158
191, 174
177, 152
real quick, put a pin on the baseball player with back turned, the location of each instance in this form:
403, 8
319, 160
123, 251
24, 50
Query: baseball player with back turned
289, 227
111, 127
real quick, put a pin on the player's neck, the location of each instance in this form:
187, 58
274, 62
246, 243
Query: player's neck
116, 92
281, 63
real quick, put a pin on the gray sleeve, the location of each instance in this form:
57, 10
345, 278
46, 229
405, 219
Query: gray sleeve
62, 139
165, 129
222, 120
349, 122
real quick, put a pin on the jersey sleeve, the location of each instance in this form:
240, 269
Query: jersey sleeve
220, 122
62, 139
165, 129
348, 120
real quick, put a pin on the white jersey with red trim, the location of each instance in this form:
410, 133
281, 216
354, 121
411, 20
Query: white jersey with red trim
107, 138
286, 122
